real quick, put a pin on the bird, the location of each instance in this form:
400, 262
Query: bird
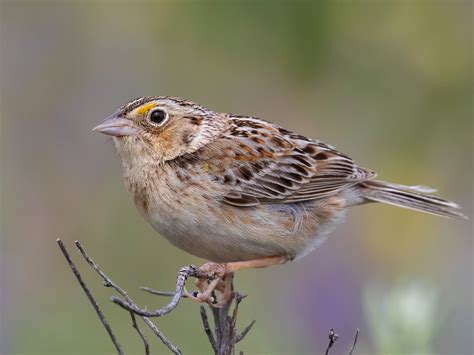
239, 191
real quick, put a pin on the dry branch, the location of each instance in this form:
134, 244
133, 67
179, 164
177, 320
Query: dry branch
223, 338
107, 281
91, 298
333, 337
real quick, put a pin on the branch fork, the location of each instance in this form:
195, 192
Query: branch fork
223, 338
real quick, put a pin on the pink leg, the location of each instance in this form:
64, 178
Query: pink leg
224, 271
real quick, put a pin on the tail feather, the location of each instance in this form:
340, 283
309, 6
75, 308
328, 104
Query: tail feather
412, 197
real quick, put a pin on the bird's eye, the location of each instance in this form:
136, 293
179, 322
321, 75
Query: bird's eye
158, 116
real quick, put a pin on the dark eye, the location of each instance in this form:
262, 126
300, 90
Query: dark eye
158, 116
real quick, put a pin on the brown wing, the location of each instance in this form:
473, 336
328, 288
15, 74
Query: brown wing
272, 165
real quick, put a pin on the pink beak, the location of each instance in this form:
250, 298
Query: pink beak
117, 126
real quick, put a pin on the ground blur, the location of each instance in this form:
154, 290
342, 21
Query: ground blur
390, 83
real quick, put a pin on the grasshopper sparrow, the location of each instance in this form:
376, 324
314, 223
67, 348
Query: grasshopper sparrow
240, 191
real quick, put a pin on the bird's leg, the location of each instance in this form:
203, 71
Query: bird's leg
257, 263
207, 287
224, 273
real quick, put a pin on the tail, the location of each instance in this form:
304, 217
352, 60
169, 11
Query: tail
413, 197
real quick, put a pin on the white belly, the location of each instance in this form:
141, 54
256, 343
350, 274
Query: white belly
192, 218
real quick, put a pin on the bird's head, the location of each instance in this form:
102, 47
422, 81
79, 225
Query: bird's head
161, 128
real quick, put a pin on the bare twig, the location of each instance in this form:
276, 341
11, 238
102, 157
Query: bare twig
109, 283
239, 337
160, 293
238, 299
222, 340
244, 332
90, 297
333, 337
224, 337
183, 274
140, 334
207, 328
355, 342
225, 330
163, 338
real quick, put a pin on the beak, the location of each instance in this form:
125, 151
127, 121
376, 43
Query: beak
117, 126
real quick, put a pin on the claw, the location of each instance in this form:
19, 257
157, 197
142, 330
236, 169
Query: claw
200, 297
222, 283
223, 273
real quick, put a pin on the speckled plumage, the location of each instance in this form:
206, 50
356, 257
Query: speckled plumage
234, 188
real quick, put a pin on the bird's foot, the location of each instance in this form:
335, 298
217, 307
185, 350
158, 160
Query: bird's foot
223, 274
221, 283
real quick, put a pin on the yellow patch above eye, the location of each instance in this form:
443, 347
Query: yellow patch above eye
144, 109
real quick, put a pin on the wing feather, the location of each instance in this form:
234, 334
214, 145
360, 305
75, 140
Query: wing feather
273, 165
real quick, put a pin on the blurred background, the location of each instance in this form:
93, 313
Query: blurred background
388, 82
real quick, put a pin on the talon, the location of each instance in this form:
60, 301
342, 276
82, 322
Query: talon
200, 297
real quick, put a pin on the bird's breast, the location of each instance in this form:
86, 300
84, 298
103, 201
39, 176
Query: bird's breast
177, 203
188, 210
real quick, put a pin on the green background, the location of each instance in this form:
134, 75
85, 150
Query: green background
388, 82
